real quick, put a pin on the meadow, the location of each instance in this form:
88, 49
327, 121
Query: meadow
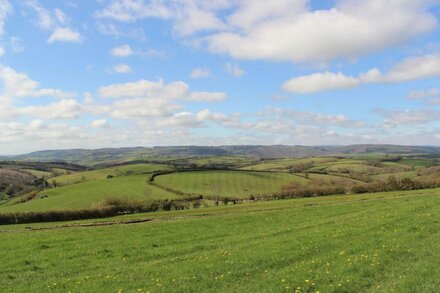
382, 242
89, 194
228, 183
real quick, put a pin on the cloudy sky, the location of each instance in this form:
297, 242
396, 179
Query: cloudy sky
111, 73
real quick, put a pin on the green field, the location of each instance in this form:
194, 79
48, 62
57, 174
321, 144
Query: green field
38, 173
124, 170
228, 183
90, 194
385, 242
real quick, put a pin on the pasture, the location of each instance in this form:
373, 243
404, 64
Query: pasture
90, 194
228, 183
123, 170
383, 242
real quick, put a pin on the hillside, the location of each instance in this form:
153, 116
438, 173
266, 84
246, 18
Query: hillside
384, 242
112, 155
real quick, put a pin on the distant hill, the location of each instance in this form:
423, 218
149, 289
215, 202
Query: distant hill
90, 156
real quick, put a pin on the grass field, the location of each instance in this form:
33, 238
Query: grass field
88, 194
99, 174
228, 183
385, 242
38, 173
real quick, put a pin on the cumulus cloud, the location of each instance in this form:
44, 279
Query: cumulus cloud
100, 123
62, 109
64, 35
411, 68
320, 82
144, 98
121, 69
55, 20
200, 73
19, 85
158, 90
122, 51
286, 30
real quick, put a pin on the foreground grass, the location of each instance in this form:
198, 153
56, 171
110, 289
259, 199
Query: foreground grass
381, 242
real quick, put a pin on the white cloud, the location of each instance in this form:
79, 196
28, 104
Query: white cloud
55, 20
415, 68
131, 10
62, 109
286, 30
396, 118
145, 89
234, 69
60, 16
299, 35
2, 51
412, 68
158, 90
19, 85
45, 18
200, 73
142, 108
122, 51
121, 69
37, 124
5, 11
206, 97
100, 123
144, 99
88, 98
320, 82
64, 35
295, 117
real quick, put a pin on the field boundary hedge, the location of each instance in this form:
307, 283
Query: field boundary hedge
111, 207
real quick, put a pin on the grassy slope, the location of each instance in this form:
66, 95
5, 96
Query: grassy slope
380, 242
232, 183
88, 194
103, 173
38, 173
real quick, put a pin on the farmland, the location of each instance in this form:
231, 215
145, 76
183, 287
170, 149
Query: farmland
42, 187
229, 224
228, 183
384, 242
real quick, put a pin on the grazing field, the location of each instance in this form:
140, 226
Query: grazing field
384, 242
90, 194
228, 183
99, 174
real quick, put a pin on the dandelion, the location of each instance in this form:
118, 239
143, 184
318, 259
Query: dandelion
307, 281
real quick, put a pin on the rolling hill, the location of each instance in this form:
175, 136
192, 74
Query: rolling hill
112, 155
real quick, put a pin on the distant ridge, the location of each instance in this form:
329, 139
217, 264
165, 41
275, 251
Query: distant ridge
88, 156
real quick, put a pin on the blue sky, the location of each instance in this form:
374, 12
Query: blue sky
111, 73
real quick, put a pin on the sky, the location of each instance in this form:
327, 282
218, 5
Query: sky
122, 73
